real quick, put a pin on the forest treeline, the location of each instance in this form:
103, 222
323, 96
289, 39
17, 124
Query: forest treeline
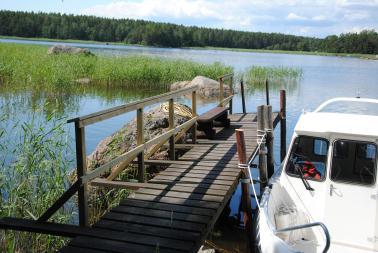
57, 26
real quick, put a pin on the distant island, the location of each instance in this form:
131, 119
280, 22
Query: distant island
78, 27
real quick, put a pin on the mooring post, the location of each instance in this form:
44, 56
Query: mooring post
245, 182
283, 123
232, 92
267, 91
81, 164
262, 152
171, 121
221, 91
268, 124
242, 95
194, 114
140, 141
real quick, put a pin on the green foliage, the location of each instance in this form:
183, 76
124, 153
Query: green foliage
30, 65
33, 176
256, 76
56, 26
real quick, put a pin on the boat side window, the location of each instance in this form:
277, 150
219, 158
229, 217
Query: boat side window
310, 154
354, 162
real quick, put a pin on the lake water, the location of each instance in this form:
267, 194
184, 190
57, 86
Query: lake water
324, 77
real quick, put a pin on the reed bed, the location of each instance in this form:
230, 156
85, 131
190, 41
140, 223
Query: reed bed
256, 76
33, 159
31, 66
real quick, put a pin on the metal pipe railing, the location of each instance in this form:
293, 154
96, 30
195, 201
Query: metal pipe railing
308, 225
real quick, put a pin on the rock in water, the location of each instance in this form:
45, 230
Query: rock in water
208, 88
64, 49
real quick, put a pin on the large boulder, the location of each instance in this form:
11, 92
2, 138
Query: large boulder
64, 49
208, 88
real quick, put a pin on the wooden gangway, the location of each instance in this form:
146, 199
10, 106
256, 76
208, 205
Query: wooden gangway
176, 209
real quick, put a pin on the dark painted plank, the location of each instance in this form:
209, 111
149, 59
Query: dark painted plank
203, 185
192, 180
207, 175
138, 201
148, 230
116, 246
161, 214
181, 195
153, 221
169, 200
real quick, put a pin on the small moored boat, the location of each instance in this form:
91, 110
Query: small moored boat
324, 197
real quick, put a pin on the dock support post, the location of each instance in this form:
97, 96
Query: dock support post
81, 164
242, 95
267, 91
171, 121
268, 124
232, 92
221, 91
140, 141
262, 152
283, 123
194, 114
245, 198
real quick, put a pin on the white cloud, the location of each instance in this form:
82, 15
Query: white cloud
315, 18
293, 16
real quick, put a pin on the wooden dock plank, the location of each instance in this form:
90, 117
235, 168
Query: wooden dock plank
176, 210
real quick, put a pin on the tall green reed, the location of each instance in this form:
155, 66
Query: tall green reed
277, 76
31, 66
33, 175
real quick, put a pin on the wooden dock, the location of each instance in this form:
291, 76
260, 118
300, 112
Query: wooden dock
176, 210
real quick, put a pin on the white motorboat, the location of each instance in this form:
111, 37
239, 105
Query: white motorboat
324, 197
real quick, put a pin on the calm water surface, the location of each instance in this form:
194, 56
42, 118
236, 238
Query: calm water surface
324, 77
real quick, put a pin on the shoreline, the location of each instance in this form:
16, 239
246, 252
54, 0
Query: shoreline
267, 51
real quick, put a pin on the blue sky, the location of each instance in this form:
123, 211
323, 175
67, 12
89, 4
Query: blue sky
317, 18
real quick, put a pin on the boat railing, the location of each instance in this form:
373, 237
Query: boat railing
308, 225
345, 99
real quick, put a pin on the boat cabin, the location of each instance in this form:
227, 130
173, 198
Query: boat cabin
331, 169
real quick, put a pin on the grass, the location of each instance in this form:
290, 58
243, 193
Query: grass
31, 66
35, 169
256, 76
32, 178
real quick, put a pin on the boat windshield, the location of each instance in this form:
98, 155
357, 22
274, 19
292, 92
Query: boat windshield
352, 107
308, 158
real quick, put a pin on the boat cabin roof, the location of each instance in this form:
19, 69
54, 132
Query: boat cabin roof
340, 123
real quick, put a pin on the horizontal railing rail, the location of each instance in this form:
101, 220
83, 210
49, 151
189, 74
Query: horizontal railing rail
308, 225
118, 164
118, 110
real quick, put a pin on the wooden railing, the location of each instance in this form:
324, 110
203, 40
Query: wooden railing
223, 101
121, 162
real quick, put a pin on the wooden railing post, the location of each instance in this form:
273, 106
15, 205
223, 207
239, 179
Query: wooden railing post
267, 91
221, 91
140, 141
283, 123
268, 124
242, 95
194, 114
245, 198
262, 157
81, 170
171, 121
232, 92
